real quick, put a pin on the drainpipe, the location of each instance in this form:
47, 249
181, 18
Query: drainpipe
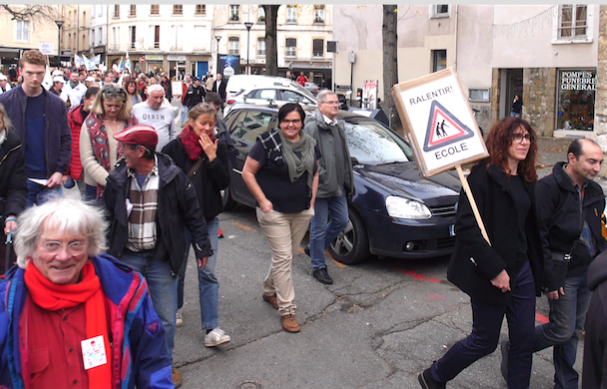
455, 38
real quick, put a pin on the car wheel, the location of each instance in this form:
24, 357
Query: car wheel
226, 199
352, 244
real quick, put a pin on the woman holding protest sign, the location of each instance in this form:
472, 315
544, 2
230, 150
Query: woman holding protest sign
502, 276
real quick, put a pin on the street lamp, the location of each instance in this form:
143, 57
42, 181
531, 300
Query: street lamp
59, 24
218, 38
248, 25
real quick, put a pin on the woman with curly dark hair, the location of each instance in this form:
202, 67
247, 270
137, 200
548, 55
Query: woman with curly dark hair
502, 276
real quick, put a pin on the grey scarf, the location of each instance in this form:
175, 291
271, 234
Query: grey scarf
297, 166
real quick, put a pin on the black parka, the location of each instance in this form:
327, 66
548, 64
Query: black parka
13, 179
474, 263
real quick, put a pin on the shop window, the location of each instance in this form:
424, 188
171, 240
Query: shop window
576, 93
290, 47
261, 14
439, 60
319, 14
261, 47
233, 46
573, 23
439, 11
234, 13
317, 47
291, 14
23, 31
155, 9
201, 9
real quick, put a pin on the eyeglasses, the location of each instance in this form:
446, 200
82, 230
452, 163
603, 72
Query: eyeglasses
519, 137
331, 102
114, 91
293, 122
54, 247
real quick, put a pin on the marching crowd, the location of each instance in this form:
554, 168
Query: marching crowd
95, 297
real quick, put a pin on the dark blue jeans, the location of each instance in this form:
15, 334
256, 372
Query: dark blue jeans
567, 318
323, 231
39, 194
486, 325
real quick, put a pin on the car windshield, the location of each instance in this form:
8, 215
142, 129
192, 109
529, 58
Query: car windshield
370, 143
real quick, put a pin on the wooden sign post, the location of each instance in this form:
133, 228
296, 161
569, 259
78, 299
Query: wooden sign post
441, 128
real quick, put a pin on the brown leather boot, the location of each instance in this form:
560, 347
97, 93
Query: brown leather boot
176, 378
271, 300
289, 323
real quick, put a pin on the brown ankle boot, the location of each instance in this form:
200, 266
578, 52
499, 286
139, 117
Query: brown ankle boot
289, 323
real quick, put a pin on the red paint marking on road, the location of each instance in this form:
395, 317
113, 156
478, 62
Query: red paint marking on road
420, 277
435, 297
339, 264
541, 318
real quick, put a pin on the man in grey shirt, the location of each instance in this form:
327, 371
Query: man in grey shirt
153, 113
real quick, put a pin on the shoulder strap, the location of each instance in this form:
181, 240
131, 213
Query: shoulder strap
195, 167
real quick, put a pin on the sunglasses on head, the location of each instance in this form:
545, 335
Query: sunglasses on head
114, 91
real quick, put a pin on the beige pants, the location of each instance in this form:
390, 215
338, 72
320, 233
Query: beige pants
284, 232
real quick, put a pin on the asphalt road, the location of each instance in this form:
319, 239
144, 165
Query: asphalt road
379, 325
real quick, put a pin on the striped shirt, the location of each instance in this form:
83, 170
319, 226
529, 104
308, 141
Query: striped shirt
142, 218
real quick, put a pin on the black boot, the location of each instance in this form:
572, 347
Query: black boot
428, 382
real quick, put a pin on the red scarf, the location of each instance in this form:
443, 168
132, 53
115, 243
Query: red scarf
52, 297
191, 142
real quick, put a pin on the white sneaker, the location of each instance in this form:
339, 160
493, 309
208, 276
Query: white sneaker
216, 337
178, 319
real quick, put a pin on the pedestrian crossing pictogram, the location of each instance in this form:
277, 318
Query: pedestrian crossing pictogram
444, 128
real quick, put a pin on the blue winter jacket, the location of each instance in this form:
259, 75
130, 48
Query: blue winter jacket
58, 136
140, 357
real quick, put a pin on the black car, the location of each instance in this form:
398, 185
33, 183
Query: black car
395, 212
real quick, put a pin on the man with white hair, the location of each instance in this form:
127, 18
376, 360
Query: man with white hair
5, 86
74, 90
80, 317
153, 113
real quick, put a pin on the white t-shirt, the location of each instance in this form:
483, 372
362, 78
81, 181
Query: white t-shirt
161, 119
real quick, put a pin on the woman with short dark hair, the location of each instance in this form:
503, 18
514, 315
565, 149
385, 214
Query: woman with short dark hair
502, 276
281, 173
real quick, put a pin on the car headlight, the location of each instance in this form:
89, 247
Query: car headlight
407, 209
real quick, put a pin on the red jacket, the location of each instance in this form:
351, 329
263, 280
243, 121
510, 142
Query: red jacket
301, 80
75, 120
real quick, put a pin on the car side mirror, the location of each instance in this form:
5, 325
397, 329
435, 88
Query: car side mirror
354, 161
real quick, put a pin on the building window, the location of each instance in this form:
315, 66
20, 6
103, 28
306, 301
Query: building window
23, 31
261, 14
291, 14
154, 9
201, 9
233, 46
100, 37
261, 46
133, 10
319, 14
133, 36
573, 23
439, 60
116, 11
234, 13
439, 11
318, 47
576, 94
177, 9
156, 37
291, 47
92, 37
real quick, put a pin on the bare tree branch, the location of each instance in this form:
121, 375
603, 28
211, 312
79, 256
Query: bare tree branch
32, 12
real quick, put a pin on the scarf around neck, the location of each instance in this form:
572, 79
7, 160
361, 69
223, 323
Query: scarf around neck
88, 291
190, 141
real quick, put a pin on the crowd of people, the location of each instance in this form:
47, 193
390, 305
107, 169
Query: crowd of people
95, 296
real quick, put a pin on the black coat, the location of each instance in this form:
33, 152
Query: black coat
194, 96
558, 205
474, 263
208, 180
594, 373
177, 207
13, 180
222, 89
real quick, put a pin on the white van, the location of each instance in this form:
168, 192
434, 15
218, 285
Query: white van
261, 90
